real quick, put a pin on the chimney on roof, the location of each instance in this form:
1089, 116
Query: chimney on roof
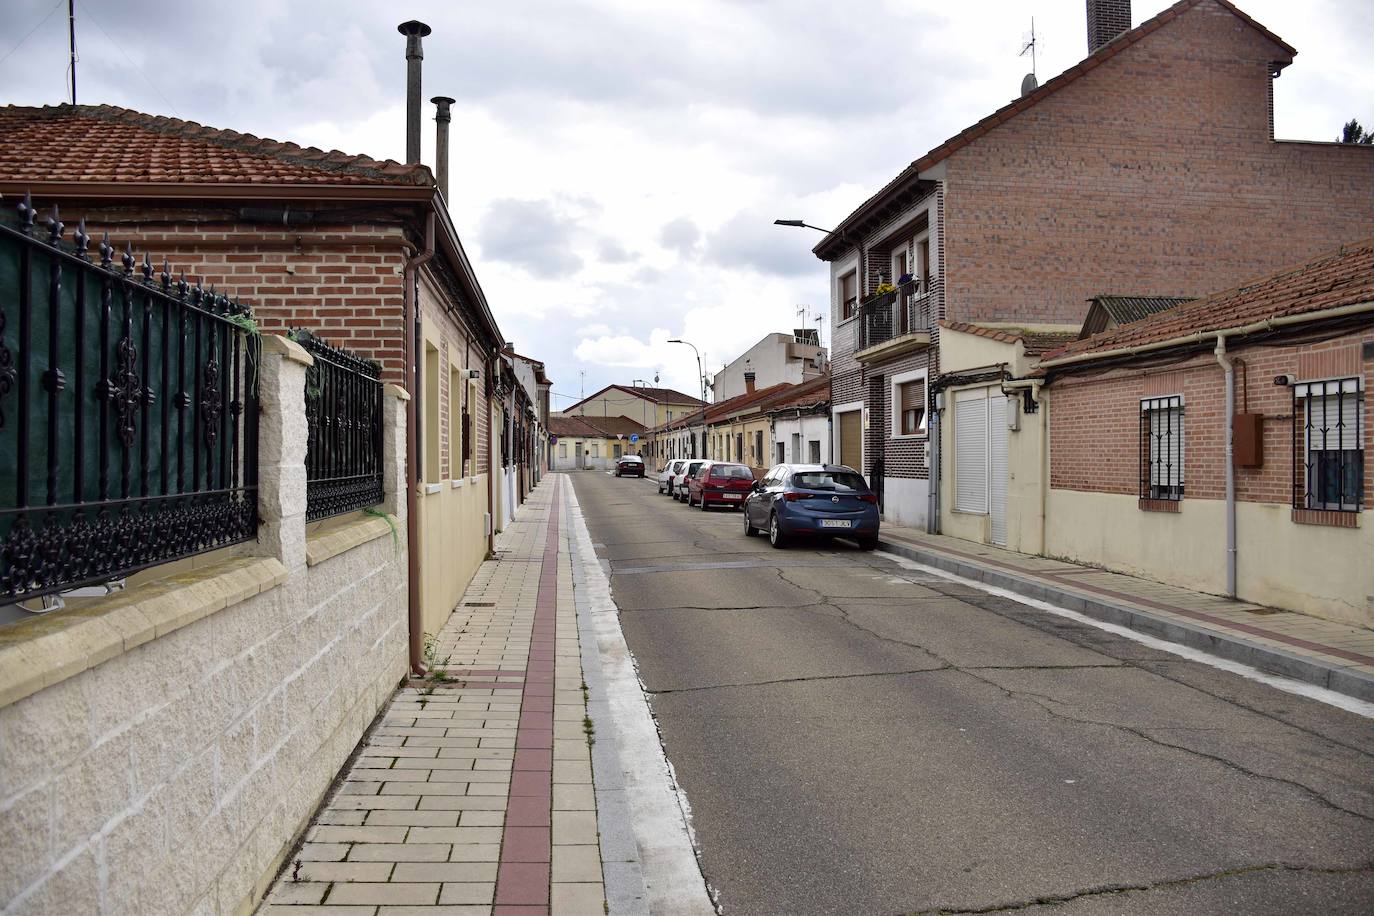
414, 30
749, 383
441, 119
1106, 20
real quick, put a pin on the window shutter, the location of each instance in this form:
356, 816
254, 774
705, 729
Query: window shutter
971, 453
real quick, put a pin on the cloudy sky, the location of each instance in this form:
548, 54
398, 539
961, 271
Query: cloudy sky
617, 164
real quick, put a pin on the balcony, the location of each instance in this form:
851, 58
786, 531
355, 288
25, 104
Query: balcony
895, 324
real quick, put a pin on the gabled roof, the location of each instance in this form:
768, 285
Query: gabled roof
811, 393
834, 242
1344, 277
594, 427
743, 402
1034, 342
652, 395
1125, 309
101, 143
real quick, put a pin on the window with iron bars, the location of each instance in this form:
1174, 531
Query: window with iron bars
1328, 445
1161, 448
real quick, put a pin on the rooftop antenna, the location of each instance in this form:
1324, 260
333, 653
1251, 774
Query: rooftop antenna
71, 38
1029, 43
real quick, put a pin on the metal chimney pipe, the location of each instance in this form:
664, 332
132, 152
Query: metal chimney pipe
441, 119
414, 30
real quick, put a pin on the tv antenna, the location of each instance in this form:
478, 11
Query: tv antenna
71, 38
1030, 44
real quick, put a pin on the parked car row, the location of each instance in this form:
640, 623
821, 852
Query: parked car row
790, 502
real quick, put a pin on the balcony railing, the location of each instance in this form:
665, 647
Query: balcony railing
343, 407
128, 413
894, 315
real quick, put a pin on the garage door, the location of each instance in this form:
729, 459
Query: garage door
851, 439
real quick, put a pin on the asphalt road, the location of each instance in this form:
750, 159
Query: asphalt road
855, 737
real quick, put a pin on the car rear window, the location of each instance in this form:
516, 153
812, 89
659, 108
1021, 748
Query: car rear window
842, 481
731, 472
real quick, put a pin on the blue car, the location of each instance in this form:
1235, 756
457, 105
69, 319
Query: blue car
794, 501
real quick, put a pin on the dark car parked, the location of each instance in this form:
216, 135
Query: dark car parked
813, 500
629, 466
720, 483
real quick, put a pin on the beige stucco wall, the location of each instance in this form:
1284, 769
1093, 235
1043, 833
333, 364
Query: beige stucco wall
161, 748
1318, 570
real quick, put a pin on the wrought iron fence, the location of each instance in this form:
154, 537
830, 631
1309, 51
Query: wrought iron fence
343, 405
128, 412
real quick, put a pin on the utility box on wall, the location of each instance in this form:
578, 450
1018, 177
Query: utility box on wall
1247, 440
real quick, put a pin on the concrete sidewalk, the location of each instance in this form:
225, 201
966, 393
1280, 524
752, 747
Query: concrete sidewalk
1308, 649
474, 795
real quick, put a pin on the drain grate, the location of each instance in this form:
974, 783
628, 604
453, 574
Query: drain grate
479, 604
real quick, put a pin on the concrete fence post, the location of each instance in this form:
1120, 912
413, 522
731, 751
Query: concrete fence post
282, 439
394, 399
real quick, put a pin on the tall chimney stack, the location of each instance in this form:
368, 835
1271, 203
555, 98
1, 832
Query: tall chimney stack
750, 386
441, 119
414, 30
1106, 20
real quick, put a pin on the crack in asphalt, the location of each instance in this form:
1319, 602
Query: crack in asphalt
1112, 889
1037, 699
842, 677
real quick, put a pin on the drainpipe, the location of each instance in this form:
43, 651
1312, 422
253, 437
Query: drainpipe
411, 320
491, 458
1225, 361
933, 493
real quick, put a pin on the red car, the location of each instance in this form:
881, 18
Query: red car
719, 483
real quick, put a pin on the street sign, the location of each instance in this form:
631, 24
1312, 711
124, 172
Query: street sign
634, 437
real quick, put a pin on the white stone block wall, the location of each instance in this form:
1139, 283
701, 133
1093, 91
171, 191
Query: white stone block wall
174, 776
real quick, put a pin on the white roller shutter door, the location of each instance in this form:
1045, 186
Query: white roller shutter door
971, 451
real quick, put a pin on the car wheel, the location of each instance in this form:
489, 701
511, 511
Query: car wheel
868, 543
749, 529
703, 502
775, 534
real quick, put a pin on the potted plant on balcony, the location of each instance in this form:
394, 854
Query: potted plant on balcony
883, 292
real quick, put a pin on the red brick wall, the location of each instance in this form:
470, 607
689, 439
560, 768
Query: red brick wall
1094, 420
1154, 174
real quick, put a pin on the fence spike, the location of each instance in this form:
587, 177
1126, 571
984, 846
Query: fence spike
147, 269
197, 293
166, 276
182, 286
55, 227
106, 252
26, 214
81, 239
128, 259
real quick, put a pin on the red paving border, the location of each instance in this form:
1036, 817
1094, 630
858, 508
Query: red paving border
522, 881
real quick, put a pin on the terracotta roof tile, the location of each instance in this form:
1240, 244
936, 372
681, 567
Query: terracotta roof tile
1335, 279
594, 427
105, 143
1035, 342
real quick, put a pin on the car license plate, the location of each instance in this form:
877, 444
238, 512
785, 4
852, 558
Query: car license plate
834, 523
732, 496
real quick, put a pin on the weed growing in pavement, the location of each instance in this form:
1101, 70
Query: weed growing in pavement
589, 729
430, 651
296, 871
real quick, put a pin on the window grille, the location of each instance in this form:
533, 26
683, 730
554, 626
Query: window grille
1328, 445
1161, 448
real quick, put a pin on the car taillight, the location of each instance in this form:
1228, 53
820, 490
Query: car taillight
793, 497
869, 498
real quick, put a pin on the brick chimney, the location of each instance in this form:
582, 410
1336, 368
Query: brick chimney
1106, 20
749, 383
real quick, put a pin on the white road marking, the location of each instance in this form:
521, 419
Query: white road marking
661, 815
1288, 685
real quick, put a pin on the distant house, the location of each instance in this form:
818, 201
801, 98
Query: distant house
1135, 420
1149, 165
800, 424
647, 406
590, 443
792, 358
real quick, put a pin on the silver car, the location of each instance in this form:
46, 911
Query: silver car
671, 470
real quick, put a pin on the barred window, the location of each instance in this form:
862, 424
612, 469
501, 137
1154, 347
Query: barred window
1328, 445
1161, 448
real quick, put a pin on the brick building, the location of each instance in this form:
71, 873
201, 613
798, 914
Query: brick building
1149, 168
1138, 422
341, 245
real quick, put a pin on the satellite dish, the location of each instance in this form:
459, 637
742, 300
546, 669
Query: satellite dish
1029, 84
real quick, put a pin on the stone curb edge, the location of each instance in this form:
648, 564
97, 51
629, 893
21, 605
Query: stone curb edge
1224, 645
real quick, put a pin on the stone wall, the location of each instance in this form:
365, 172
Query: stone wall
162, 748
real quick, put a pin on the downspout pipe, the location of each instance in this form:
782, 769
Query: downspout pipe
411, 323
1228, 370
491, 454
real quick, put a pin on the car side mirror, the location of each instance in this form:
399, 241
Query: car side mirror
756, 486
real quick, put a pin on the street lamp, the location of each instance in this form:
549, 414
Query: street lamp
700, 377
798, 224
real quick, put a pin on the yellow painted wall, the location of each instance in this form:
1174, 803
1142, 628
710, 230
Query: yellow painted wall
617, 403
453, 545
1314, 569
